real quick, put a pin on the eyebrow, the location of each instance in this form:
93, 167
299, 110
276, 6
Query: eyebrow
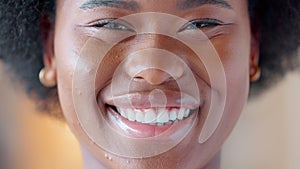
196, 3
123, 4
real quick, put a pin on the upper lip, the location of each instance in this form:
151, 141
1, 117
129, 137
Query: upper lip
145, 100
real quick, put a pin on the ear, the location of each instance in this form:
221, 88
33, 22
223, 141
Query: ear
254, 72
48, 73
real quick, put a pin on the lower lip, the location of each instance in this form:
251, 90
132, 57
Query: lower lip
139, 130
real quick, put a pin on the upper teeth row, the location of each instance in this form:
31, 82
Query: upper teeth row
157, 115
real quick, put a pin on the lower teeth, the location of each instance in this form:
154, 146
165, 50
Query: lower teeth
161, 124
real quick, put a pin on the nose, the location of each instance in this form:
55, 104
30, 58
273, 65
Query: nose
153, 76
154, 66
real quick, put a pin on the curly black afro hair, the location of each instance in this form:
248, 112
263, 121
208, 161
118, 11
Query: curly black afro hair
21, 47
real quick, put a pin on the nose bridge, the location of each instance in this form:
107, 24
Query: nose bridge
152, 40
156, 23
154, 66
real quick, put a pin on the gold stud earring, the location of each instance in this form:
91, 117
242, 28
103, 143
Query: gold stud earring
255, 73
47, 78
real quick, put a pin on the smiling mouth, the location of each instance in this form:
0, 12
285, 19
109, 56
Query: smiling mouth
143, 120
153, 116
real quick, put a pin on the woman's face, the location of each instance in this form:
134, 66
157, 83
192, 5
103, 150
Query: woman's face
181, 71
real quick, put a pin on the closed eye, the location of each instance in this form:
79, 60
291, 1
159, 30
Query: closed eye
201, 24
111, 24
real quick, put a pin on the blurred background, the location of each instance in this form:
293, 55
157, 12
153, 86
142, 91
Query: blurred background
266, 137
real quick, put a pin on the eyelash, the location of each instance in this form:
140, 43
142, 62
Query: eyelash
110, 24
195, 24
201, 24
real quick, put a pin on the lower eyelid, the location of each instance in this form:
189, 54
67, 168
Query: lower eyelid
210, 33
221, 30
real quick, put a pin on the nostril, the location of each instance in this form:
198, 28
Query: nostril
155, 66
153, 76
170, 79
138, 78
152, 81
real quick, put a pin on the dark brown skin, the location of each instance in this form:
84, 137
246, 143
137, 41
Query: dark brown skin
235, 44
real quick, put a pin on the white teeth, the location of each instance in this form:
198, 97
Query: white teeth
122, 112
155, 116
186, 113
180, 114
140, 117
159, 124
131, 115
150, 116
173, 114
163, 115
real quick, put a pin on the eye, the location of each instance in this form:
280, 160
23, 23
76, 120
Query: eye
201, 24
111, 24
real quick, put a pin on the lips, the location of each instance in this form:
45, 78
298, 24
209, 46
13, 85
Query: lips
148, 114
146, 100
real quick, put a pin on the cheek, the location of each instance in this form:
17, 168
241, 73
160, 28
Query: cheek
65, 73
236, 65
67, 49
234, 53
66, 58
